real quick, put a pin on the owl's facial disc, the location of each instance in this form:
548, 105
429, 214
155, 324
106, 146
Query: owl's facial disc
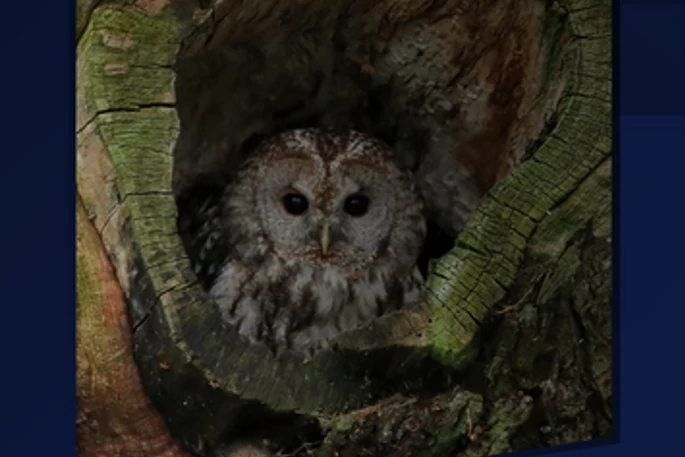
330, 209
362, 212
296, 204
343, 222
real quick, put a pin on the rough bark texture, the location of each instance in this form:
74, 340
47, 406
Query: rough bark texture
512, 349
114, 418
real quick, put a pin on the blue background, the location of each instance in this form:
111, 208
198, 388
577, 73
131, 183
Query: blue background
37, 393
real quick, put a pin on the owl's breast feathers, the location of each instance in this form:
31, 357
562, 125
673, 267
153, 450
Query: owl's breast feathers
301, 306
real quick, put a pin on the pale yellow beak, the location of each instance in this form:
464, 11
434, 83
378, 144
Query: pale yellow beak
325, 238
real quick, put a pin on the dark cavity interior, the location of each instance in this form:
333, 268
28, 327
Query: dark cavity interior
449, 81
226, 110
464, 88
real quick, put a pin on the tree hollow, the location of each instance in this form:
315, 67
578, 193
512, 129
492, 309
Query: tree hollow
514, 97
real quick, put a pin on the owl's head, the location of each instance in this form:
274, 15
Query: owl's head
331, 198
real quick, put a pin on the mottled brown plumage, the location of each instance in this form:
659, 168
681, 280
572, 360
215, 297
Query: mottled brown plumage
319, 233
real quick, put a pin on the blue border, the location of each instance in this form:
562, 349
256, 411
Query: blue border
649, 217
37, 316
37, 226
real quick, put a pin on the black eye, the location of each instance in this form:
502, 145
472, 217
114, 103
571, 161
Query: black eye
356, 205
295, 204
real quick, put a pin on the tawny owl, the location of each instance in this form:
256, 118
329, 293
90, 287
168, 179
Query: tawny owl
318, 233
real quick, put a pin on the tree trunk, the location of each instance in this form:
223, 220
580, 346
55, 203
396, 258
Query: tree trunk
511, 349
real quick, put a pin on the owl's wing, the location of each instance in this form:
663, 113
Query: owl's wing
200, 227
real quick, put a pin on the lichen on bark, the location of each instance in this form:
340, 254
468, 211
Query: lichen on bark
522, 300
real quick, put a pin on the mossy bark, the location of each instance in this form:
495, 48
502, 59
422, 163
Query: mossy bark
512, 348
114, 417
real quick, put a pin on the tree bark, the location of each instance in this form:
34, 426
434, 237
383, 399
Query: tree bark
512, 347
115, 418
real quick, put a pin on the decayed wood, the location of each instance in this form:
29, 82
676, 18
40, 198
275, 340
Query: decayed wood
519, 249
114, 417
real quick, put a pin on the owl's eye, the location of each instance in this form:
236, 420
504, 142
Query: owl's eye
356, 205
295, 204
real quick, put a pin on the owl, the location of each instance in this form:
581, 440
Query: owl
317, 233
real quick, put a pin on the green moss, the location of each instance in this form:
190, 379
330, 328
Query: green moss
125, 59
460, 415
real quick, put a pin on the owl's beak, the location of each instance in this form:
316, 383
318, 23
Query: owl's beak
325, 238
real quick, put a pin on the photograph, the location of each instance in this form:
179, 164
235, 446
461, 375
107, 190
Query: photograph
344, 228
